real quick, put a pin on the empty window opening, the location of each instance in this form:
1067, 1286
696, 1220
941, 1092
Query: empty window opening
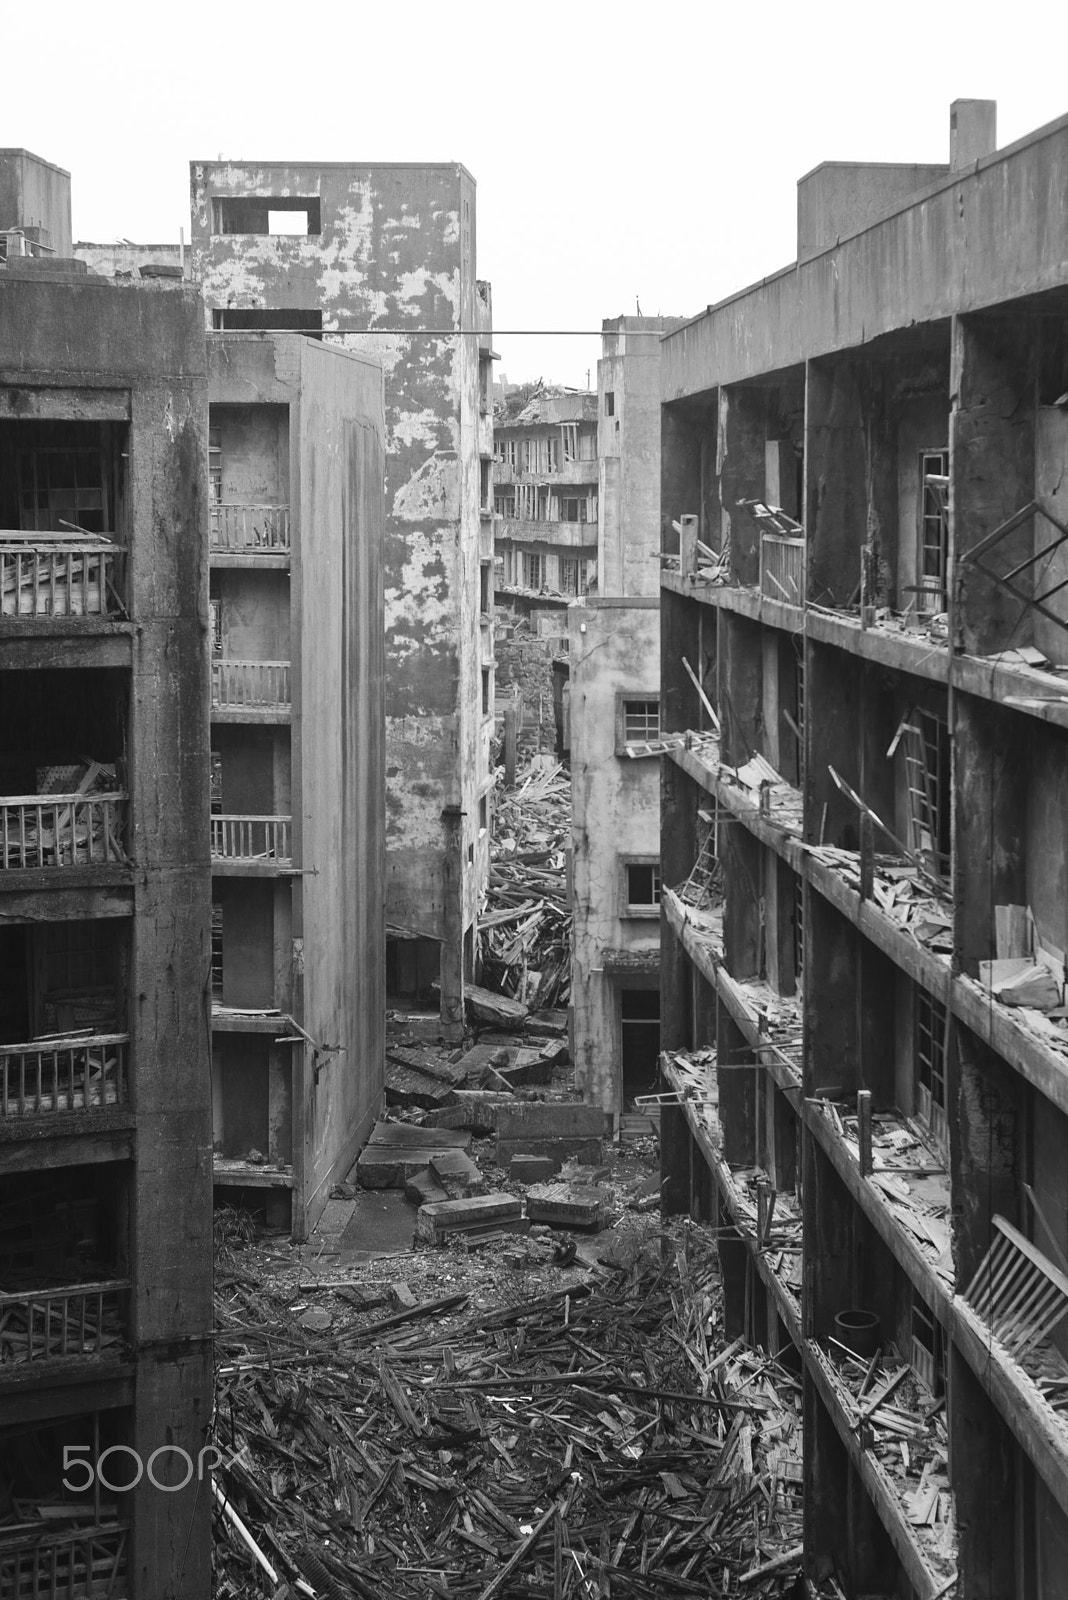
574, 508
934, 531
927, 1351
487, 690
508, 453
641, 721
484, 575
216, 783
485, 482
277, 214
413, 968
574, 575
215, 463
609, 403
931, 1024
485, 383
533, 571
504, 502
569, 435
927, 763
278, 320
552, 445
483, 816
643, 886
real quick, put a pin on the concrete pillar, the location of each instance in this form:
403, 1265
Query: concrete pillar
991, 761
742, 437
986, 1464
836, 498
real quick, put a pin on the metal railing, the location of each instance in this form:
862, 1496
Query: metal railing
57, 578
71, 1564
238, 684
61, 830
265, 839
782, 569
67, 1075
75, 1320
250, 530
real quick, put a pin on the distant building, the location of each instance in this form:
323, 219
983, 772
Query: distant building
105, 1130
545, 494
296, 460
864, 641
381, 260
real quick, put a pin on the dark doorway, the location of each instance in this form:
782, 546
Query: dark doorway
639, 1011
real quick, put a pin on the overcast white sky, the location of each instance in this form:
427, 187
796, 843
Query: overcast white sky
622, 154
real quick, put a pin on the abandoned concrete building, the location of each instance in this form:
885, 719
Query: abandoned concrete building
381, 260
105, 1138
545, 494
864, 639
613, 666
295, 463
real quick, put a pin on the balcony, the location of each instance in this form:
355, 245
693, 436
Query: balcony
87, 1073
250, 691
73, 1322
68, 1564
42, 575
61, 830
249, 845
250, 535
782, 569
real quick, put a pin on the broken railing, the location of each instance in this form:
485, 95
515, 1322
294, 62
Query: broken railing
75, 1320
250, 530
237, 838
1018, 1294
42, 575
61, 830
782, 569
82, 1074
64, 1565
247, 684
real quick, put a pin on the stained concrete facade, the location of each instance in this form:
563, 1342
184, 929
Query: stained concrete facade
614, 700
384, 264
545, 495
296, 459
898, 392
105, 1139
628, 452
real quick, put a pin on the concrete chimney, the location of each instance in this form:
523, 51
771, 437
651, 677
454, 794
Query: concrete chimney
972, 131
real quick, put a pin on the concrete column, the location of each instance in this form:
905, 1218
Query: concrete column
742, 437
836, 508
992, 474
986, 1464
991, 762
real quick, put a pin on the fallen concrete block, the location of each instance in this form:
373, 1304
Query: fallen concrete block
457, 1216
558, 1150
422, 1188
531, 1169
407, 1086
553, 1023
470, 1108
565, 1205
549, 1119
396, 1151
457, 1174
495, 1009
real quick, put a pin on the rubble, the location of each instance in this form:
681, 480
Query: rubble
555, 1431
525, 928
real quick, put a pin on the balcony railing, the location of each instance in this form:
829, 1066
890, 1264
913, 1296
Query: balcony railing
71, 1564
76, 1320
251, 839
250, 530
248, 685
61, 830
1020, 1295
782, 569
42, 576
85, 1074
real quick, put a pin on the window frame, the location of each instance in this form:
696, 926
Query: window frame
630, 735
631, 910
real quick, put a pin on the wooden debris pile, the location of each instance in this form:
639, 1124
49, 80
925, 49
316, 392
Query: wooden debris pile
525, 928
66, 572
903, 1426
914, 899
594, 1438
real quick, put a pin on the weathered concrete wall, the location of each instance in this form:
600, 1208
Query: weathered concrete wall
393, 273
838, 197
942, 253
34, 194
628, 447
339, 913
615, 652
125, 260
90, 343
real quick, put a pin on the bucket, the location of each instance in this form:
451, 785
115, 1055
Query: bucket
858, 1331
